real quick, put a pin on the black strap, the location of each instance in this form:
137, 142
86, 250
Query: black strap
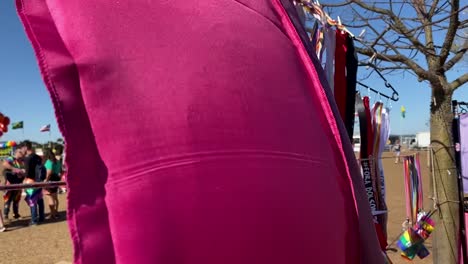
351, 79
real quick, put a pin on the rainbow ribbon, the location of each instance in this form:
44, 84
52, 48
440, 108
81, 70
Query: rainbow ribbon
413, 187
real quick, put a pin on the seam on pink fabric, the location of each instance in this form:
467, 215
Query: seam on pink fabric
43, 66
323, 98
256, 12
203, 157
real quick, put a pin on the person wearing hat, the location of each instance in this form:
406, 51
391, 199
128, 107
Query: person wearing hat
34, 197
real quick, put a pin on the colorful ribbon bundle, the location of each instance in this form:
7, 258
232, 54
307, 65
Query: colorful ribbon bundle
413, 187
420, 225
370, 133
411, 243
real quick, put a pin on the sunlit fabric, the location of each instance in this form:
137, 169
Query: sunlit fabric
197, 132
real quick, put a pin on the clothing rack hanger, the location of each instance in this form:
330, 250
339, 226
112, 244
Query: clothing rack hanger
459, 107
315, 9
394, 97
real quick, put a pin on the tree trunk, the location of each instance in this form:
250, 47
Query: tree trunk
446, 237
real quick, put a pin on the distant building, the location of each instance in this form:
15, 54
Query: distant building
407, 140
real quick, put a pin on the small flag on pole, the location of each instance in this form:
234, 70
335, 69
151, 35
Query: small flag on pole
45, 128
403, 112
17, 125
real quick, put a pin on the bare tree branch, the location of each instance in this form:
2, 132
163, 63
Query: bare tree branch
425, 21
459, 82
355, 26
380, 37
397, 25
452, 30
403, 38
433, 9
373, 8
397, 47
336, 5
420, 72
389, 68
458, 56
443, 19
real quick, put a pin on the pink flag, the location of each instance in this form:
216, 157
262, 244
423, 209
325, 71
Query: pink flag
198, 132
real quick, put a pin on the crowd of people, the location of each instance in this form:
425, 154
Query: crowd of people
25, 166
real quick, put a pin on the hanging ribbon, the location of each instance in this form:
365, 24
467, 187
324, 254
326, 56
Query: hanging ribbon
366, 149
419, 223
376, 124
377, 174
413, 187
371, 183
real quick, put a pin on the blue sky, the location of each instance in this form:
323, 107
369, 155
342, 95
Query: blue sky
23, 96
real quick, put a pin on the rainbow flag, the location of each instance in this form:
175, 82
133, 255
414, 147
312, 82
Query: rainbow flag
32, 196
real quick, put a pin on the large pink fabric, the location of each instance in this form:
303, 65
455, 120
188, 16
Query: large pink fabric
197, 132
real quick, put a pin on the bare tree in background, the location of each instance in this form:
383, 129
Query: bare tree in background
428, 39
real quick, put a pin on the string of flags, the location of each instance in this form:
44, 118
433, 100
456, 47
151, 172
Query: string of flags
5, 122
20, 125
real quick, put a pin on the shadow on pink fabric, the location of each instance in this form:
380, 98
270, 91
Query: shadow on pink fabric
198, 132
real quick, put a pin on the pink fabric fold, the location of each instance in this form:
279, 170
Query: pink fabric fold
197, 132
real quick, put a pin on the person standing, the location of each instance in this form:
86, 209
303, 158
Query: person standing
2, 225
397, 150
14, 174
35, 201
34, 171
60, 160
53, 168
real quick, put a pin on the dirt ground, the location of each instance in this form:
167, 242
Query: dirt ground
50, 242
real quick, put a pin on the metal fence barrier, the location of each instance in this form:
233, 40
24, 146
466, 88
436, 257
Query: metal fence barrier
11, 187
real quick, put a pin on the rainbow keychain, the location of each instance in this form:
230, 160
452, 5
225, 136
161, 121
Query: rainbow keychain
411, 242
